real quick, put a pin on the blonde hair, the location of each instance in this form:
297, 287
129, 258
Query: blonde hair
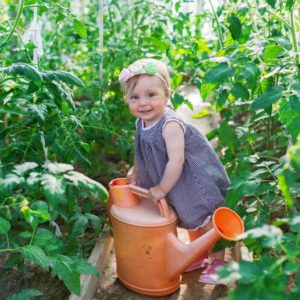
162, 73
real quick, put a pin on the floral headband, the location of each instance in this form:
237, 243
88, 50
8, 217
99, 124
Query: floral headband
140, 68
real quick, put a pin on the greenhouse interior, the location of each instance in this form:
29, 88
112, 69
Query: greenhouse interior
125, 122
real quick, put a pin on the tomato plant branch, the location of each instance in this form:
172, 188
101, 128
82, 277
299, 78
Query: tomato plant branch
294, 38
17, 19
218, 26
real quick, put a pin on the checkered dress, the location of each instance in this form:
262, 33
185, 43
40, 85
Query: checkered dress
202, 185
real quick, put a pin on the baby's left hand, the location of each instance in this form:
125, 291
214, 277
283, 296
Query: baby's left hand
156, 193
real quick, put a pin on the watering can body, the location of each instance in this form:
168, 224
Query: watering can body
149, 256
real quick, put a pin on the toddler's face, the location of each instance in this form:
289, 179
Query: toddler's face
147, 99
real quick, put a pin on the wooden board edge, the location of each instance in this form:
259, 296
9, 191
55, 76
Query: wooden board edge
241, 252
98, 259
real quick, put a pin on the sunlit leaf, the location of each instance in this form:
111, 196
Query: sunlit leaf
80, 28
56, 168
4, 226
24, 70
36, 255
235, 26
25, 294
271, 52
271, 2
272, 234
272, 95
23, 168
218, 74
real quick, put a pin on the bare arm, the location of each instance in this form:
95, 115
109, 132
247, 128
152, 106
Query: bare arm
133, 176
174, 138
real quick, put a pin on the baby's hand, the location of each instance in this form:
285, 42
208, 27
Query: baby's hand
156, 193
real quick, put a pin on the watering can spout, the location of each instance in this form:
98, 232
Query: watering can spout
226, 224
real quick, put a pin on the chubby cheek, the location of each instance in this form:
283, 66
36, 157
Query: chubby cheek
133, 109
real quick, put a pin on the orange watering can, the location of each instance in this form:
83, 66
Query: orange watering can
150, 257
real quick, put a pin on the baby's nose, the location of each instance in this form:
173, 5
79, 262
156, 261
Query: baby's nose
143, 101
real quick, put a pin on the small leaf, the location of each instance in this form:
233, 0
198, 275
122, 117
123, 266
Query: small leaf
178, 100
56, 168
80, 28
202, 113
290, 118
239, 91
38, 110
289, 4
25, 234
45, 239
250, 72
11, 180
25, 294
66, 77
53, 188
295, 103
85, 267
235, 26
78, 178
4, 226
23, 168
36, 255
24, 70
272, 234
271, 52
66, 270
272, 95
206, 90
271, 3
227, 136
218, 74
79, 225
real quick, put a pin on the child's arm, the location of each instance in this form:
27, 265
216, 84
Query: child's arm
174, 138
133, 177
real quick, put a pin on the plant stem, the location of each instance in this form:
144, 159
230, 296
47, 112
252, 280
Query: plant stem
7, 241
33, 234
26, 51
21, 6
294, 38
218, 25
279, 19
8, 250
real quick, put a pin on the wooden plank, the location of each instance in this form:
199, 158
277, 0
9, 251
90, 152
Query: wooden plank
98, 259
241, 252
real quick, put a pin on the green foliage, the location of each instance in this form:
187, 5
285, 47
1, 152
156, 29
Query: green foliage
25, 294
32, 196
267, 277
249, 71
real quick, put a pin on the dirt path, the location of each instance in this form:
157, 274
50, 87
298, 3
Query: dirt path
110, 287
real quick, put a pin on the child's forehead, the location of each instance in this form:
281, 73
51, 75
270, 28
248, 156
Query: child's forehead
147, 81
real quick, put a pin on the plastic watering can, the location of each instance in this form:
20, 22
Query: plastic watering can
150, 257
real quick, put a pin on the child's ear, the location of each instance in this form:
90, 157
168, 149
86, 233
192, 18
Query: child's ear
168, 92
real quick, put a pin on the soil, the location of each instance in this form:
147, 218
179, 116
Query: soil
13, 281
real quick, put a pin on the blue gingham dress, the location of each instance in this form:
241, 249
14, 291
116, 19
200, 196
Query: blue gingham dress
202, 186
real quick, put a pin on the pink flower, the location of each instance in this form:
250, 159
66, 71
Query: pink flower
125, 75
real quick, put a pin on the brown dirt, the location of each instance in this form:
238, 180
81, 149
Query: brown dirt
13, 281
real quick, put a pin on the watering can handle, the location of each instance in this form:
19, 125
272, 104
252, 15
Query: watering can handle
162, 203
